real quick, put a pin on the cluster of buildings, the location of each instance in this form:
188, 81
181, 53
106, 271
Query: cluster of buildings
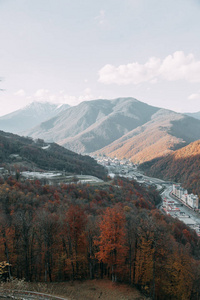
188, 199
115, 165
169, 205
3, 171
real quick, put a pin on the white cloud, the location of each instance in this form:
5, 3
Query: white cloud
20, 93
87, 91
194, 96
101, 18
174, 67
44, 95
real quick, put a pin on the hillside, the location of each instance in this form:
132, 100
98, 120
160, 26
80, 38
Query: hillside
91, 125
123, 127
164, 133
181, 166
79, 232
195, 115
37, 154
30, 116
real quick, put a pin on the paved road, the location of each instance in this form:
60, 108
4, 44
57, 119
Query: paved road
187, 215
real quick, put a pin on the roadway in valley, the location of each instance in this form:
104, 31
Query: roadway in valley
184, 210
184, 213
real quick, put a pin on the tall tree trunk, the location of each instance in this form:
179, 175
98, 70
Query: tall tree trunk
6, 252
130, 264
134, 260
90, 260
101, 269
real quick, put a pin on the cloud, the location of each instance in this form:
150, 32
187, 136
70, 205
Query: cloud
44, 95
20, 93
87, 91
101, 18
174, 67
194, 96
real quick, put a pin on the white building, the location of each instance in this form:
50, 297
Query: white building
184, 198
193, 201
169, 205
175, 186
189, 199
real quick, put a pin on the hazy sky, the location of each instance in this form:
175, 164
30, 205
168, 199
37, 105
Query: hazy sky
74, 50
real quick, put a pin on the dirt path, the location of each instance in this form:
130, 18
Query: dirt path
87, 290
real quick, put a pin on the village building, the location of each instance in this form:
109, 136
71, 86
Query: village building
189, 199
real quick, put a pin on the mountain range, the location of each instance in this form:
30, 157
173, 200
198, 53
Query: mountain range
123, 127
91, 125
164, 133
30, 116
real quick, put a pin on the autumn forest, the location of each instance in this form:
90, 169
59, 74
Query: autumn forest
76, 232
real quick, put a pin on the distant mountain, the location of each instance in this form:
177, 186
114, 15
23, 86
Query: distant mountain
164, 133
123, 127
182, 166
30, 116
92, 125
195, 115
26, 153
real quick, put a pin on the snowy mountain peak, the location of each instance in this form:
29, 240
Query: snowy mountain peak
31, 115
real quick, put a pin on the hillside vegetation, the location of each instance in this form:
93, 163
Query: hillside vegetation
195, 115
181, 166
149, 141
70, 232
38, 154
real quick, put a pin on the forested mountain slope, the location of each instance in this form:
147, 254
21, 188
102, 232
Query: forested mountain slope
164, 133
195, 115
68, 232
181, 166
38, 154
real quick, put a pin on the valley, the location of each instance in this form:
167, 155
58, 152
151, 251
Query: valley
68, 217
100, 150
130, 171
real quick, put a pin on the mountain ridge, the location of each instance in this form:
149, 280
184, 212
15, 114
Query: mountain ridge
183, 165
157, 137
121, 127
102, 121
195, 115
29, 116
29, 154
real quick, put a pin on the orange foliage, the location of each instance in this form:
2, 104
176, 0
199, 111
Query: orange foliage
111, 242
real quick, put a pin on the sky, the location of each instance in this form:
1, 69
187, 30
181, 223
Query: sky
65, 51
